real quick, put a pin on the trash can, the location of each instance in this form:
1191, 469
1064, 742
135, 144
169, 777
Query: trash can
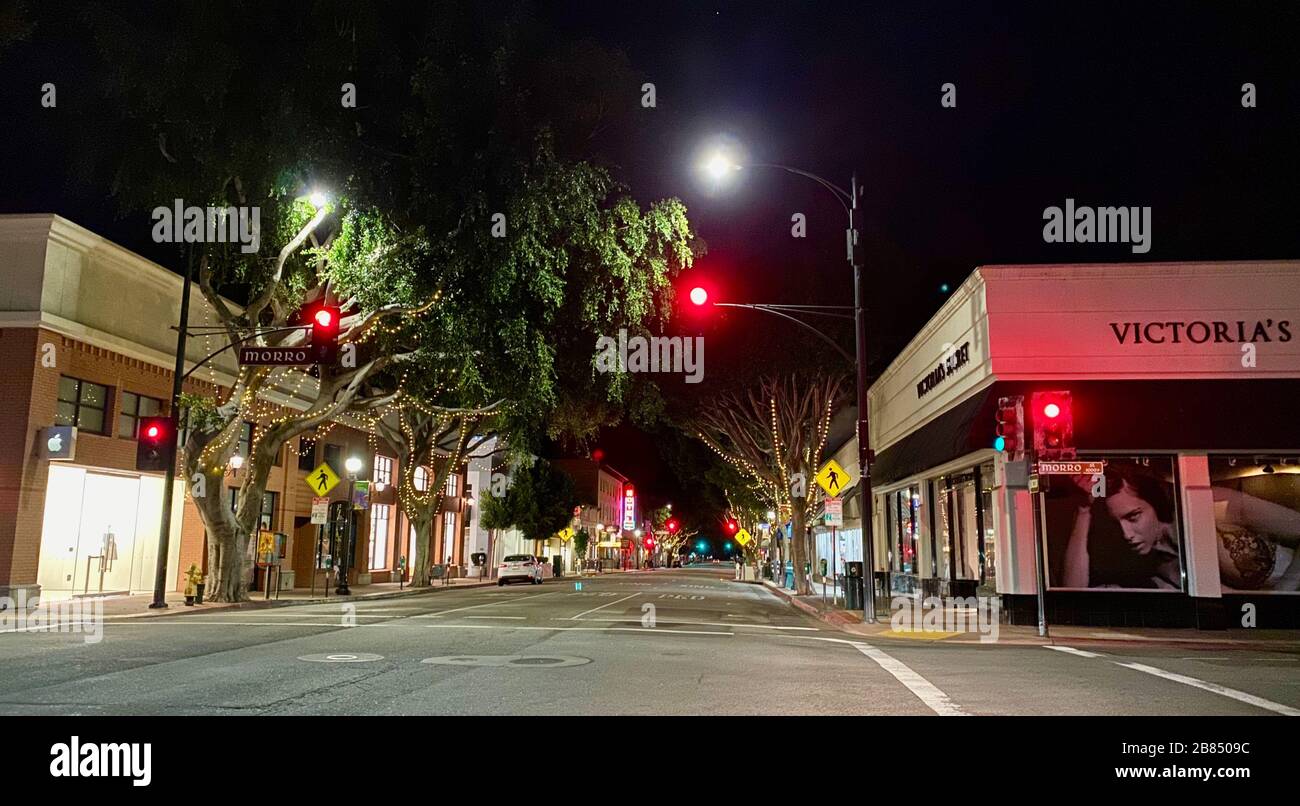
853, 593
789, 575
557, 565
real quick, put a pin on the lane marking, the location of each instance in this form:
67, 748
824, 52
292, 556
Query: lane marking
1071, 650
697, 623
602, 607
924, 690
520, 618
485, 604
1223, 691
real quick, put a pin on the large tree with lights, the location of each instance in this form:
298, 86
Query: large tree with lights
773, 434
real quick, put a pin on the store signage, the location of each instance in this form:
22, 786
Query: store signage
952, 361
276, 356
58, 443
361, 495
1200, 331
629, 510
1069, 468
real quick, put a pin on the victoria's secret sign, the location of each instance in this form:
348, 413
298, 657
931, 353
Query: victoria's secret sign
951, 362
1200, 331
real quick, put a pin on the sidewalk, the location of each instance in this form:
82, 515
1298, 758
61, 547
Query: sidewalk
850, 621
138, 606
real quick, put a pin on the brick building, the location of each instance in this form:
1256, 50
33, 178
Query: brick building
87, 341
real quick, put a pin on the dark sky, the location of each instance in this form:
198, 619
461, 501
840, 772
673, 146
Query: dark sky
1106, 103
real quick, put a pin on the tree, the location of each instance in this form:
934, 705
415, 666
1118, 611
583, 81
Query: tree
773, 435
538, 502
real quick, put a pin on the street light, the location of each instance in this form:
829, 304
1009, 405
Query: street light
236, 462
719, 165
353, 466
318, 200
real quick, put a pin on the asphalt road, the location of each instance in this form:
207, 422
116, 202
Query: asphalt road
665, 642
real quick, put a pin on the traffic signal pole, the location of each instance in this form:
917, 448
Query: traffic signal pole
866, 505
169, 477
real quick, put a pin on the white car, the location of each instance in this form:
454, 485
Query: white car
519, 567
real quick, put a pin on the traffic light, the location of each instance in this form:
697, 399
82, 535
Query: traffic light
155, 444
325, 333
699, 295
732, 526
649, 543
1010, 428
1053, 414
672, 525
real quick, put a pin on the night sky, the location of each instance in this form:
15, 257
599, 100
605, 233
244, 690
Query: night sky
1108, 104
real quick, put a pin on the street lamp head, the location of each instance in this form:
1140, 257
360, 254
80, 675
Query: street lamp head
353, 464
236, 461
318, 199
719, 166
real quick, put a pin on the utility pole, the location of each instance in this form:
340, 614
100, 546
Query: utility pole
864, 434
169, 478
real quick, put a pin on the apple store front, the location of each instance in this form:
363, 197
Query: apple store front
1187, 399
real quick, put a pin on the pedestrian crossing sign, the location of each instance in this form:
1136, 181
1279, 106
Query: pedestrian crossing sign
833, 479
743, 536
322, 479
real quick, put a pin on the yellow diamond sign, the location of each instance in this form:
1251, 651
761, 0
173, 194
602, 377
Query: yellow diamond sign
833, 479
566, 533
322, 479
743, 536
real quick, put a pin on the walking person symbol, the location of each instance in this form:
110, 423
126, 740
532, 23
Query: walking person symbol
835, 479
322, 481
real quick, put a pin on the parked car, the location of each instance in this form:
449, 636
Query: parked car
519, 568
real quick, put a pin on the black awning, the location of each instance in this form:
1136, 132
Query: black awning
943, 439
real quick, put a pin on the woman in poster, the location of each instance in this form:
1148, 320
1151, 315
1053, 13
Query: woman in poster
1257, 542
1139, 507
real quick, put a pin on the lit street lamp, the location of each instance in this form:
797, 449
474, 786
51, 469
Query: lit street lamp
353, 466
720, 166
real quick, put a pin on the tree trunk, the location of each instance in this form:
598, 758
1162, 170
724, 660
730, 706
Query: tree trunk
422, 520
227, 579
799, 548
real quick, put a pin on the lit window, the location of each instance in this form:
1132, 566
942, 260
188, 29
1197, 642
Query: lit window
132, 409
378, 537
83, 404
421, 479
451, 483
383, 469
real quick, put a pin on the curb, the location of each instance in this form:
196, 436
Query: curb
181, 609
842, 620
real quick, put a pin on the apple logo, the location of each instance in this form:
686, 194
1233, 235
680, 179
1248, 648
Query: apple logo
55, 443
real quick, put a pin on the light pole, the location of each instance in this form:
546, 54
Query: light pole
720, 166
353, 466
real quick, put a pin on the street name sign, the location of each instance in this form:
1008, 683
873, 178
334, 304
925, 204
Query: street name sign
1070, 468
322, 479
276, 356
833, 479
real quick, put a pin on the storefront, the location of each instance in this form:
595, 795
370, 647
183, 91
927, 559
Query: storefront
1184, 380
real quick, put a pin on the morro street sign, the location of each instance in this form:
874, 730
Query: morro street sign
1070, 468
276, 356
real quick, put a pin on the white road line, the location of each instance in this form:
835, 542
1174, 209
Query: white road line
520, 618
925, 691
485, 604
699, 623
602, 607
1071, 650
1224, 691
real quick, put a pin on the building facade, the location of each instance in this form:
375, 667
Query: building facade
86, 334
1183, 382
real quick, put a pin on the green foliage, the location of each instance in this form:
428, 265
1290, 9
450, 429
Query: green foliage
581, 540
539, 502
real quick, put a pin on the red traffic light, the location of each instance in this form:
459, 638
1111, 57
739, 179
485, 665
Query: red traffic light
325, 333
699, 296
732, 525
671, 525
155, 444
152, 432
324, 317
1054, 425
1051, 411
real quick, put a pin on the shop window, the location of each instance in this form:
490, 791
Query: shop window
379, 514
132, 409
82, 404
448, 536
451, 482
1257, 521
988, 532
245, 448
307, 454
1118, 530
334, 457
383, 473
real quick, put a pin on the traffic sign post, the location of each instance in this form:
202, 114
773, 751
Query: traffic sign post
322, 479
834, 479
743, 536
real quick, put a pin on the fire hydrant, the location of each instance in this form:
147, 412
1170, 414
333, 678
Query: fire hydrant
193, 578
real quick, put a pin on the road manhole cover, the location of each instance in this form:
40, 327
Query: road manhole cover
547, 661
341, 657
